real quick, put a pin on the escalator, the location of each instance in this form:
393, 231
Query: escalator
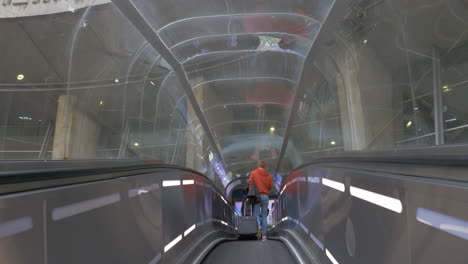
392, 208
250, 252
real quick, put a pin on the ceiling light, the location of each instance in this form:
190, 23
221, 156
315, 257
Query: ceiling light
116, 81
409, 123
136, 144
365, 41
445, 87
272, 129
416, 108
101, 102
333, 143
446, 90
20, 77
152, 83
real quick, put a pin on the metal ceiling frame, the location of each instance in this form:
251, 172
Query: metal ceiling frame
143, 26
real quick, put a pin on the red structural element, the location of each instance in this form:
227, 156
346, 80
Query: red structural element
270, 92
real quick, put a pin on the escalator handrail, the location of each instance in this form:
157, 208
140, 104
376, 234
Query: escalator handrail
54, 177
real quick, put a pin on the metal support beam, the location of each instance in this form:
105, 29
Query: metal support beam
145, 28
46, 140
438, 106
124, 141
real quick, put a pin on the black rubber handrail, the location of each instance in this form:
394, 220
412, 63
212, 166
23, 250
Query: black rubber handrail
453, 155
435, 156
72, 175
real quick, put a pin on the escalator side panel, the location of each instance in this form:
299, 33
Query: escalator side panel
360, 216
122, 220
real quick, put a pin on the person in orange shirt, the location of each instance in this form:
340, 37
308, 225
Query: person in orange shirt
264, 183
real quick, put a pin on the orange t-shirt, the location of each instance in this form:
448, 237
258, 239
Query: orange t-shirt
262, 179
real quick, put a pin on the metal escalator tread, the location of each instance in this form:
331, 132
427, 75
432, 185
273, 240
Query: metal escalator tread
247, 252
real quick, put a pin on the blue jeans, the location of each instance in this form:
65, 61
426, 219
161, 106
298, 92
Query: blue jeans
264, 204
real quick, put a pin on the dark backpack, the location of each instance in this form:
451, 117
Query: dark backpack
253, 196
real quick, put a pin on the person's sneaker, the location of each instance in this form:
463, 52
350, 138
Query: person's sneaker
264, 239
259, 233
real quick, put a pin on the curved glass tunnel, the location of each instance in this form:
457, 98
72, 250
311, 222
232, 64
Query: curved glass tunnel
358, 108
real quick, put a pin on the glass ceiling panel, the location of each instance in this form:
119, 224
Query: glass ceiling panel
242, 65
245, 91
247, 127
239, 53
232, 42
281, 32
164, 12
246, 148
245, 113
253, 82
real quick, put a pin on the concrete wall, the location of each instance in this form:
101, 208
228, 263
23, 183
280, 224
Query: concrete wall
24, 8
76, 133
365, 96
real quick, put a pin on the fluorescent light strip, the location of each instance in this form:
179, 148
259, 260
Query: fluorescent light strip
330, 256
190, 229
387, 202
314, 180
171, 183
15, 226
224, 223
142, 190
317, 241
85, 206
303, 227
284, 218
172, 243
156, 259
333, 184
188, 182
302, 179
446, 223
